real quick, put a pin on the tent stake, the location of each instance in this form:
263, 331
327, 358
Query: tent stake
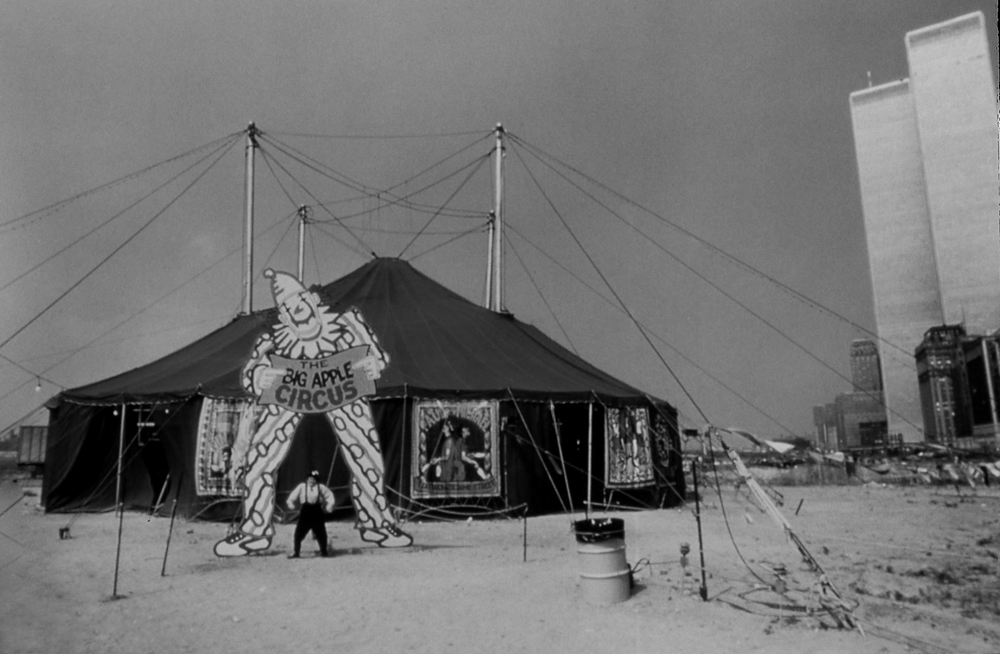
703, 591
159, 500
118, 551
170, 532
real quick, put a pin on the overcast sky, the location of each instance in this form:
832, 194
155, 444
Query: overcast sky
727, 119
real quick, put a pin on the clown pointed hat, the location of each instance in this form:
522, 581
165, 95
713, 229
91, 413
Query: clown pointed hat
283, 286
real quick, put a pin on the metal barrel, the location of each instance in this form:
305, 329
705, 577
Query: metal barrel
605, 576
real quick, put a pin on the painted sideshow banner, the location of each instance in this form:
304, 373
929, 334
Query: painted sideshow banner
455, 449
667, 459
661, 433
628, 460
224, 429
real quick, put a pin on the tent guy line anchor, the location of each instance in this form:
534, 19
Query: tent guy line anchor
836, 606
13, 504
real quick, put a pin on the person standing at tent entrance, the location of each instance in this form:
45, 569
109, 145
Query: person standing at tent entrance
311, 498
308, 335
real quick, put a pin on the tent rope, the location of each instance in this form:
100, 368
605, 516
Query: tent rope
475, 230
56, 206
224, 148
538, 290
726, 294
317, 202
538, 450
611, 288
658, 337
535, 150
562, 459
472, 172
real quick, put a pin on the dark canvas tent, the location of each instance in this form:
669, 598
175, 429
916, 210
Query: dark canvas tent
548, 404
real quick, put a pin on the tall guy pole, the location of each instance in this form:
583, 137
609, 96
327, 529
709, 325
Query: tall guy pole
121, 453
118, 550
590, 454
170, 533
703, 591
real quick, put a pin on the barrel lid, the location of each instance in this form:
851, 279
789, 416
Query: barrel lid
598, 529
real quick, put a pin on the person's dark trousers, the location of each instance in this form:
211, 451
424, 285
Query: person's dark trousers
311, 519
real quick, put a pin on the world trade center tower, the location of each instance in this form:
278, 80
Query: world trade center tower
926, 150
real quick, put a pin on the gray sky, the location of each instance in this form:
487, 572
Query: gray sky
729, 119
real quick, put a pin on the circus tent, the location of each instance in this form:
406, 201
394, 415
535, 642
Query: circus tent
551, 431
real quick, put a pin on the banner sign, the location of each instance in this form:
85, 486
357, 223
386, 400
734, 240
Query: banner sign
224, 429
319, 385
628, 458
456, 450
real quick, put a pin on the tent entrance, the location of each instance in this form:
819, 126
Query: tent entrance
315, 446
154, 457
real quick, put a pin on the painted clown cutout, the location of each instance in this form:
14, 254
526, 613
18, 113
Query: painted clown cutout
315, 361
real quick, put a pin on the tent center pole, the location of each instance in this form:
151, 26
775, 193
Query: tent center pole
497, 231
303, 219
488, 299
248, 226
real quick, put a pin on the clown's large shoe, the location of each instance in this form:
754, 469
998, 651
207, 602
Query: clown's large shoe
240, 544
388, 536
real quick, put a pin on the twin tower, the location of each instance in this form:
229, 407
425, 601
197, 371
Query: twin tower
928, 169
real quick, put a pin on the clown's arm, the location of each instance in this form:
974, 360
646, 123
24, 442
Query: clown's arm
258, 374
377, 358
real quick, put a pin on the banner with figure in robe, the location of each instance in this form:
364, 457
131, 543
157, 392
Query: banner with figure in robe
628, 461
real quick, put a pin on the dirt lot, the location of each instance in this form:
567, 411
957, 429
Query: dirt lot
917, 565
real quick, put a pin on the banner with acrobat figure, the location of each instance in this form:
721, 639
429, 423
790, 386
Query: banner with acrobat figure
455, 449
314, 360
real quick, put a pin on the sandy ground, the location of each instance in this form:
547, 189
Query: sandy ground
918, 565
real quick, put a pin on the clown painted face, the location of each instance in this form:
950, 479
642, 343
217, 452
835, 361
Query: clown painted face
300, 313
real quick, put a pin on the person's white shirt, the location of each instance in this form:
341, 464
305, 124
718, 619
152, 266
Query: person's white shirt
302, 494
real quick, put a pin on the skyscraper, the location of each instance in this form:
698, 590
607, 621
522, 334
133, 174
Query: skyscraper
927, 165
856, 419
866, 374
943, 384
951, 77
959, 383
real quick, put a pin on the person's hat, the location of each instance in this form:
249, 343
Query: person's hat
283, 285
314, 474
